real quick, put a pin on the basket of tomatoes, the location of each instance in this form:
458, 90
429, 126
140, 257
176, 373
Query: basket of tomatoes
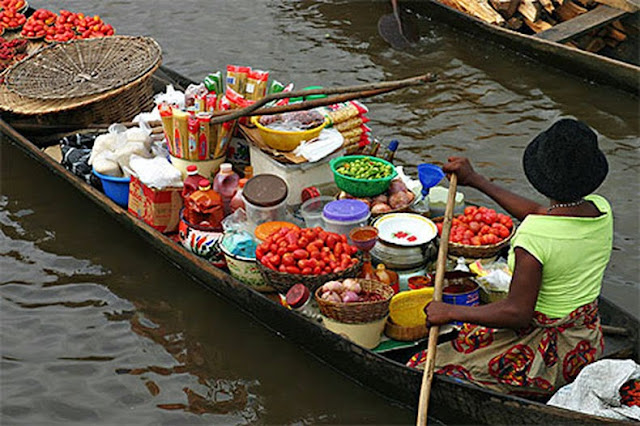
480, 232
311, 256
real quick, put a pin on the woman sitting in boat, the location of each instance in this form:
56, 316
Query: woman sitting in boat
548, 328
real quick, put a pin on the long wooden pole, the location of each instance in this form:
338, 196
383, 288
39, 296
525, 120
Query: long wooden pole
357, 91
434, 330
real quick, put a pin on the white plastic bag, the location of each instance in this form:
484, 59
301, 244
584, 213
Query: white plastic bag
316, 149
156, 172
596, 390
171, 96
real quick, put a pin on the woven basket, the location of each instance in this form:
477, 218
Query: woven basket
83, 67
405, 334
477, 252
105, 107
358, 312
283, 281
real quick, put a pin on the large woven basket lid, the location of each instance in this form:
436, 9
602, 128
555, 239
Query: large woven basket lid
83, 67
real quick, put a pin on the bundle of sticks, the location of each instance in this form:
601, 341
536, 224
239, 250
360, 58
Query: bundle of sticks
535, 16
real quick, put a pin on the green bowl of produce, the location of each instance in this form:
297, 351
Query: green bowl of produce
362, 175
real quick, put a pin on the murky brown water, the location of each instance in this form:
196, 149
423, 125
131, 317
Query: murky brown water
98, 329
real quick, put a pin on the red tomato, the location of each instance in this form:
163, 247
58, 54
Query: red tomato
345, 263
302, 263
474, 226
439, 226
485, 229
337, 250
288, 259
332, 239
477, 217
504, 232
455, 238
482, 209
303, 241
466, 242
468, 234
281, 251
475, 241
306, 271
470, 210
317, 270
275, 259
316, 255
292, 269
312, 263
301, 254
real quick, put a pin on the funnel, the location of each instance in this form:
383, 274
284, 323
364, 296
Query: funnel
430, 175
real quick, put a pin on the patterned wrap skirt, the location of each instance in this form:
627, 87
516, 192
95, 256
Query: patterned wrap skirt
531, 362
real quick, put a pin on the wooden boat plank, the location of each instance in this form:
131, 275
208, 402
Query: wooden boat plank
391, 379
582, 24
574, 61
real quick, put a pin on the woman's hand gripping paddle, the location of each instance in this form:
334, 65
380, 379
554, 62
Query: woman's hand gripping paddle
397, 28
434, 330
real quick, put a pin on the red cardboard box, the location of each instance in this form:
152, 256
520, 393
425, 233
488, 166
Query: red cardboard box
158, 208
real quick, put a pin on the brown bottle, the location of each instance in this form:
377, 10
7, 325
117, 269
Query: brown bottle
387, 276
204, 207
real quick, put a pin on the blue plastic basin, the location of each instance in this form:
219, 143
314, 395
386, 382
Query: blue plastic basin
116, 188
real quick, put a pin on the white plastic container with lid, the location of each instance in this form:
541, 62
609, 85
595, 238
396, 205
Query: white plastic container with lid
265, 199
341, 216
311, 210
438, 201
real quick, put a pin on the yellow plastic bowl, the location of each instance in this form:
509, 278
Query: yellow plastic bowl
286, 141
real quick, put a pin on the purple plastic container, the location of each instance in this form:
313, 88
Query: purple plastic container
341, 216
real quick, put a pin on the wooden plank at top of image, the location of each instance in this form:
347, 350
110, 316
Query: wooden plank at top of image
596, 18
628, 5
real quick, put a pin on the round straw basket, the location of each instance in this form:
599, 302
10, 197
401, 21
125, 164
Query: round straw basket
358, 312
283, 281
405, 334
82, 82
477, 252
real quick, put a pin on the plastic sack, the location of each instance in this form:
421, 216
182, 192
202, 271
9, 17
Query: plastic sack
238, 237
156, 172
596, 390
495, 276
316, 149
171, 97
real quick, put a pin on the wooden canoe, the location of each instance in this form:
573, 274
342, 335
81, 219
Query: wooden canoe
590, 66
384, 373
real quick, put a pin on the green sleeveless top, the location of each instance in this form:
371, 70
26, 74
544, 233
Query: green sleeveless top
573, 251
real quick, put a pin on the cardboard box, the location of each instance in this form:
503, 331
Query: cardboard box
158, 208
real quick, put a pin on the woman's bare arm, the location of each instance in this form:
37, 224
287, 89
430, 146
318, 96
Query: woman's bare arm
517, 206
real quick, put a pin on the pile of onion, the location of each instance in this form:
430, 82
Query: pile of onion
347, 291
398, 196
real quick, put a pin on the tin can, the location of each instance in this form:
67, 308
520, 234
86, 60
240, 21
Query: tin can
465, 293
193, 130
180, 132
204, 135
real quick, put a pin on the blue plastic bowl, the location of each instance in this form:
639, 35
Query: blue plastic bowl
116, 188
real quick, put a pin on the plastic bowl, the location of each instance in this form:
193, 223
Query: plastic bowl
283, 140
361, 187
311, 210
116, 188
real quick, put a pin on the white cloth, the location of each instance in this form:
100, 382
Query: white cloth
595, 390
316, 149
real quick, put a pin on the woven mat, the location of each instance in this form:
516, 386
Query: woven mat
82, 68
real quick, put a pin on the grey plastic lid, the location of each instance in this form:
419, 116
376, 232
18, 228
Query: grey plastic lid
346, 210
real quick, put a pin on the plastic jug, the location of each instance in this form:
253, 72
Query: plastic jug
238, 201
191, 181
226, 184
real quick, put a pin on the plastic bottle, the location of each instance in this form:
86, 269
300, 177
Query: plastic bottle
191, 181
204, 206
248, 173
390, 152
226, 183
237, 201
375, 146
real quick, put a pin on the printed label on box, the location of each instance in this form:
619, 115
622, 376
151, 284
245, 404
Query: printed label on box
158, 208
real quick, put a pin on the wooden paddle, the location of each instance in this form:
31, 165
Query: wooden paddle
434, 330
397, 28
